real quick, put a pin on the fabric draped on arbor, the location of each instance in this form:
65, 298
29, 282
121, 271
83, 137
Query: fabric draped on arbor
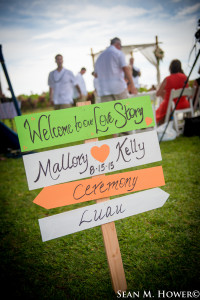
151, 52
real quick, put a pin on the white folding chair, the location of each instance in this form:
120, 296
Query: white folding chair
179, 114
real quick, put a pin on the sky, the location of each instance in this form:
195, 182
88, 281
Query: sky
32, 32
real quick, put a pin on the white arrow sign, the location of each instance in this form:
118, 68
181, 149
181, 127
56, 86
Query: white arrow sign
86, 160
101, 213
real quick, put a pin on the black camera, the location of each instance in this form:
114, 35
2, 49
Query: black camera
197, 34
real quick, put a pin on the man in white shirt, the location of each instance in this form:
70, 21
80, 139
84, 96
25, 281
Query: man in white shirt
61, 83
96, 87
135, 73
111, 70
81, 83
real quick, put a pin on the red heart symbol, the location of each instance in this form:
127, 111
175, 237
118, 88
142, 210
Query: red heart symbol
148, 120
100, 153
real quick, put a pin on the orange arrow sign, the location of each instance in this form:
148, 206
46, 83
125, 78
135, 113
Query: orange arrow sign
100, 187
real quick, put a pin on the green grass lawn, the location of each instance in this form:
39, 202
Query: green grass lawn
160, 248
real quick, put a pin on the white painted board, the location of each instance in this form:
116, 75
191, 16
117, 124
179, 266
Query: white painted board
91, 159
94, 215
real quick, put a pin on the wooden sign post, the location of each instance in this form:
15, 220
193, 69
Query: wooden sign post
111, 245
56, 170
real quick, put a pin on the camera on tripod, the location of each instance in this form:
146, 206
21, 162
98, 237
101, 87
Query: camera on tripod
197, 34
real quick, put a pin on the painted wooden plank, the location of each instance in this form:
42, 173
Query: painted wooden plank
82, 161
94, 215
46, 129
99, 187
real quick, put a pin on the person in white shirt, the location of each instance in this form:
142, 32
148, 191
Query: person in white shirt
96, 87
111, 70
135, 73
81, 83
61, 83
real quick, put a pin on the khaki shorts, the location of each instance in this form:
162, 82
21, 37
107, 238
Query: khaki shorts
83, 99
123, 95
61, 106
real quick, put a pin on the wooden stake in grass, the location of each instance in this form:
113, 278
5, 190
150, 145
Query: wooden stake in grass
111, 243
